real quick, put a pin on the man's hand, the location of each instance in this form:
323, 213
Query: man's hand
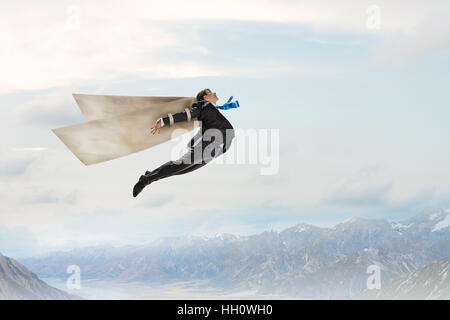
157, 126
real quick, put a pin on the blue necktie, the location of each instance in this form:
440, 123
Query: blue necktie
228, 105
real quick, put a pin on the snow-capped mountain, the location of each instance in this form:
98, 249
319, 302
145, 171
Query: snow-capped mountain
303, 260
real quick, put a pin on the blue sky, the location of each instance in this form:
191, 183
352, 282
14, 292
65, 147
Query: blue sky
362, 116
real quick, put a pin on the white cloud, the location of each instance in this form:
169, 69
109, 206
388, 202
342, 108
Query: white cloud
53, 109
40, 47
39, 195
30, 149
40, 51
368, 186
17, 242
431, 35
13, 164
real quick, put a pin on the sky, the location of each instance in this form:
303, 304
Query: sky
355, 93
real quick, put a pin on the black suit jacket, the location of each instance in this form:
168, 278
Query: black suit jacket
210, 118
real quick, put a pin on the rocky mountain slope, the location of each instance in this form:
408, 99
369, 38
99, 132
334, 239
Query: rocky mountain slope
430, 282
17, 283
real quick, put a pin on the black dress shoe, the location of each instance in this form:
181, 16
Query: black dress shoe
138, 187
141, 184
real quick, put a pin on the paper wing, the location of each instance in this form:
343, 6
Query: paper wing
120, 125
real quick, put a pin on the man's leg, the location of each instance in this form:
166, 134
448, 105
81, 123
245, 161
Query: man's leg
214, 154
191, 168
191, 158
206, 160
190, 161
198, 156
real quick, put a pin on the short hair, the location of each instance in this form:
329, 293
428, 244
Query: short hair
202, 94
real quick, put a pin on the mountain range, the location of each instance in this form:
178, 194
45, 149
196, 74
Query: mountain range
303, 261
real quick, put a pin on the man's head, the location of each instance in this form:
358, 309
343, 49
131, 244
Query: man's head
207, 95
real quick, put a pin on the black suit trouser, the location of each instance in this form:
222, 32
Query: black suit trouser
198, 156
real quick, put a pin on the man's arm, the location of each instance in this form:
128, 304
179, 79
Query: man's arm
177, 117
182, 116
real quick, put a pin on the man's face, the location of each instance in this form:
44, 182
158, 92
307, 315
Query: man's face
211, 96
